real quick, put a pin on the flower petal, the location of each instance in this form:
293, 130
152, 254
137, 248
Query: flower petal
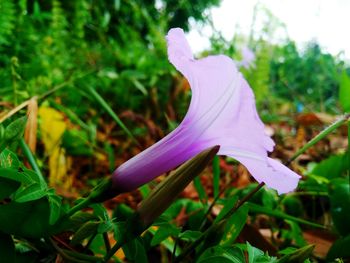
274, 174
222, 112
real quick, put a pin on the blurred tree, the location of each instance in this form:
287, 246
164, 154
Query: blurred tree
310, 76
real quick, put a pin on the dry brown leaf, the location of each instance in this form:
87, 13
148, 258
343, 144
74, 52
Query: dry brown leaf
32, 124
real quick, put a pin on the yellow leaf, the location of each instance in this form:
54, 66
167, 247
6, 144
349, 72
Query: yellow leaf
52, 127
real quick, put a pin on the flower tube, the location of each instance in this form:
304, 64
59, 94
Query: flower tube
222, 112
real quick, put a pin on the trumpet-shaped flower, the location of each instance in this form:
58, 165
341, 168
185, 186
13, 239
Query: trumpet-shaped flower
222, 112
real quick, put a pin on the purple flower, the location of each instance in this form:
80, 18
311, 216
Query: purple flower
222, 112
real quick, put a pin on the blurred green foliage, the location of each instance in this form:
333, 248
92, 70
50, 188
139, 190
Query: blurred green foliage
117, 48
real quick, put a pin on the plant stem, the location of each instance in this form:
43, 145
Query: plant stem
85, 203
112, 251
114, 116
31, 159
191, 247
319, 137
213, 203
106, 241
312, 142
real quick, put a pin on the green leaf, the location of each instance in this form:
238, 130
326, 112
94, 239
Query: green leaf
299, 255
29, 219
9, 160
219, 254
339, 249
145, 190
339, 193
264, 210
216, 176
229, 203
80, 218
7, 248
269, 198
15, 130
55, 203
190, 235
100, 211
344, 91
164, 231
254, 254
332, 167
7, 187
29, 193
15, 176
76, 142
295, 233
235, 225
200, 189
86, 230
105, 226
109, 110
135, 251
293, 206
76, 257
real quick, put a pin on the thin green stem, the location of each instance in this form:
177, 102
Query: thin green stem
106, 241
316, 139
319, 137
114, 116
81, 205
31, 159
112, 251
216, 176
198, 241
212, 204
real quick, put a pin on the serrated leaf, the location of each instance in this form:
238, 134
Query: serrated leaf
86, 230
